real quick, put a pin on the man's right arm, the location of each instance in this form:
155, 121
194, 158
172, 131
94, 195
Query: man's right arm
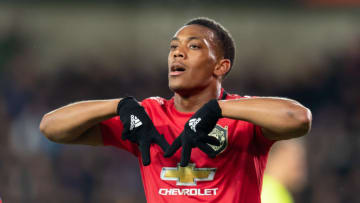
78, 123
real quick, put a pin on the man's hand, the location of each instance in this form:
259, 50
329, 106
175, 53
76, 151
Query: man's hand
195, 133
138, 128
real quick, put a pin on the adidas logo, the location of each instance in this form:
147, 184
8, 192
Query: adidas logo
193, 122
134, 122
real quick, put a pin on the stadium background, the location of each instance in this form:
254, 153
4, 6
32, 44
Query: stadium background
56, 52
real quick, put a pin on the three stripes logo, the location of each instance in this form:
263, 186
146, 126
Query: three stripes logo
193, 122
134, 122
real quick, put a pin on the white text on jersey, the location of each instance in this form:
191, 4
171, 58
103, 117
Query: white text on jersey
188, 191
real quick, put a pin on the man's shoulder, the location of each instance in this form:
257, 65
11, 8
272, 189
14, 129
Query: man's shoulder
156, 100
237, 96
158, 108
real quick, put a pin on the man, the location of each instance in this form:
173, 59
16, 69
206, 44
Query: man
225, 138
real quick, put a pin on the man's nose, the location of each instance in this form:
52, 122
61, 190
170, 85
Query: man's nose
179, 53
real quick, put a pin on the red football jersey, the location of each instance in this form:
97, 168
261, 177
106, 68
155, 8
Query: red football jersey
235, 175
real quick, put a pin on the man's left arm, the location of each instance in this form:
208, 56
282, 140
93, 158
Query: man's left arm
279, 118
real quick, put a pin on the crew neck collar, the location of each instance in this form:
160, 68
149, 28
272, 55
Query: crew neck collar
180, 113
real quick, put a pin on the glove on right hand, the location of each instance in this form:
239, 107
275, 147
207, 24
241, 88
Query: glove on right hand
138, 128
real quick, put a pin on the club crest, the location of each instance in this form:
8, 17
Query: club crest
220, 134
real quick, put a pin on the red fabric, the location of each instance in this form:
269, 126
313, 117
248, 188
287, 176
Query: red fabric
239, 168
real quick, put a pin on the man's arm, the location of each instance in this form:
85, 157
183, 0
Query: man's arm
77, 123
279, 118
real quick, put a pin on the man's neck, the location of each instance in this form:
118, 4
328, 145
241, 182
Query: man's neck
196, 100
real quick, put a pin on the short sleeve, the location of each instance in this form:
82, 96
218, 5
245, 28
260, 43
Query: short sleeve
111, 131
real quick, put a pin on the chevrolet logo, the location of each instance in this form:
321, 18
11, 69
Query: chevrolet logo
187, 176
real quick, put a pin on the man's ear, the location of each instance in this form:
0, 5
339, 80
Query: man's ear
222, 68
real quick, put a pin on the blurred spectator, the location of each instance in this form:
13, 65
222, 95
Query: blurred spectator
285, 172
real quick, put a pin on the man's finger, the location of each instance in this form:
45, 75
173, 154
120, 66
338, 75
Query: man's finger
185, 154
145, 153
126, 134
207, 149
173, 147
161, 141
210, 139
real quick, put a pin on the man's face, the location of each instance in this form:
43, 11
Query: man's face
192, 59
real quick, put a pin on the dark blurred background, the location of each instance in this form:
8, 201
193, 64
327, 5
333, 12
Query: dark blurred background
53, 53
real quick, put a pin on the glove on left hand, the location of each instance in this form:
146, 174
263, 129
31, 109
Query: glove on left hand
195, 133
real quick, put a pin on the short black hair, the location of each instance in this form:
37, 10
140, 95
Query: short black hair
223, 35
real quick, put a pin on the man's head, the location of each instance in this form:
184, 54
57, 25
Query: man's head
225, 40
201, 53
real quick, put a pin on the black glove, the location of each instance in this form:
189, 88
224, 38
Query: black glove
138, 128
195, 133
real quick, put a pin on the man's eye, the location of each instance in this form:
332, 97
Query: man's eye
194, 46
173, 47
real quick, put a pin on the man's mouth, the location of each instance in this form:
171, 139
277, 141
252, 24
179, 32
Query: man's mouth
177, 69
